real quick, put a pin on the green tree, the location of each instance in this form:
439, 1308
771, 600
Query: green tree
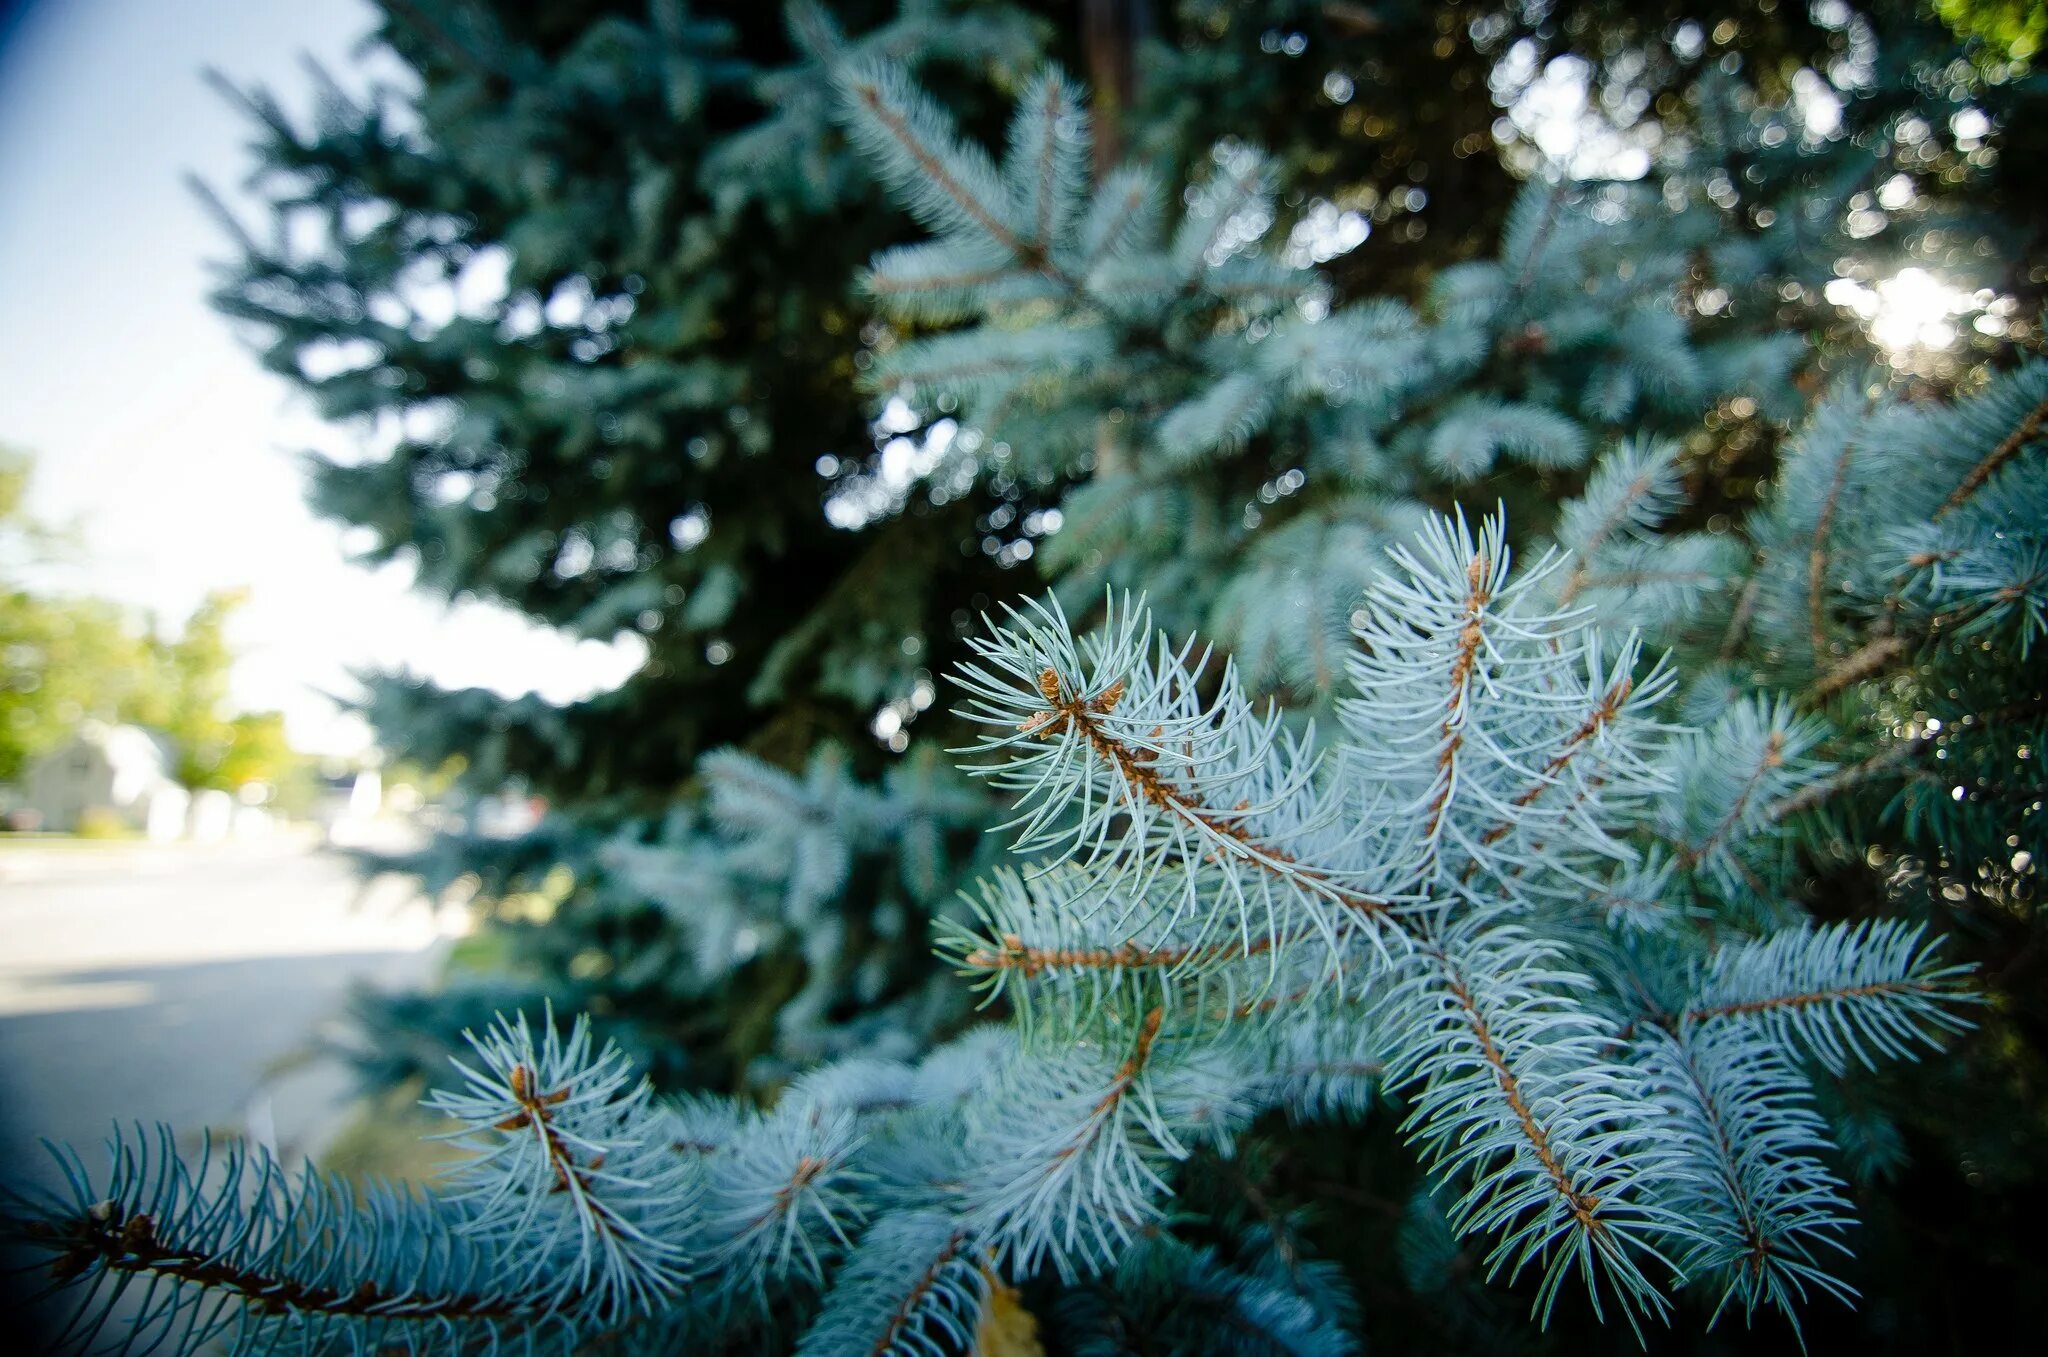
687, 411
61, 660
258, 750
187, 700
65, 660
24, 539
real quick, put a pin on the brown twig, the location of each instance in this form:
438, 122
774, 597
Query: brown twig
1029, 962
1808, 998
1136, 768
1813, 793
1477, 596
131, 1245
1583, 1206
1773, 757
906, 1311
934, 167
2025, 433
1869, 659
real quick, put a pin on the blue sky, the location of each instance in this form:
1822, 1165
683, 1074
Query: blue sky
152, 425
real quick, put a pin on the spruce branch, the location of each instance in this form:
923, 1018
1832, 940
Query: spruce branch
1530, 239
1476, 698
1731, 775
1868, 660
1514, 1098
1069, 1163
570, 1171
783, 1201
1048, 945
1047, 166
1165, 782
1766, 1208
1739, 620
1843, 993
1632, 489
915, 1285
2028, 429
1768, 761
1480, 586
947, 181
1817, 554
1604, 714
1119, 216
230, 1250
1816, 793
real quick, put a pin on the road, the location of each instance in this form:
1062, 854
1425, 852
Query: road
184, 984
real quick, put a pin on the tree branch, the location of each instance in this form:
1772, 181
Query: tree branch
2022, 435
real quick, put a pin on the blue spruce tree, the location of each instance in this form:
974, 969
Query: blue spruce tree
1450, 700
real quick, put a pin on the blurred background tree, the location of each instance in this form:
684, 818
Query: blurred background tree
60, 662
186, 695
65, 659
589, 288
600, 273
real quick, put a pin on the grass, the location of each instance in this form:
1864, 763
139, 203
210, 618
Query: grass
386, 1138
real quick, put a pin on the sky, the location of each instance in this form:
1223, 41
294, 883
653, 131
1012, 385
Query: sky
152, 426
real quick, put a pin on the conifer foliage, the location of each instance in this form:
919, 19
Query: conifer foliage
1090, 332
1228, 918
1313, 799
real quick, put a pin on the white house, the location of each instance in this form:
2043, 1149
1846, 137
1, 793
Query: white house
122, 769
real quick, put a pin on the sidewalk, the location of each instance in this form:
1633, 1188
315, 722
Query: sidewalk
184, 983
28, 858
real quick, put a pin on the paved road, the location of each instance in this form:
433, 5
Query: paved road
175, 984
